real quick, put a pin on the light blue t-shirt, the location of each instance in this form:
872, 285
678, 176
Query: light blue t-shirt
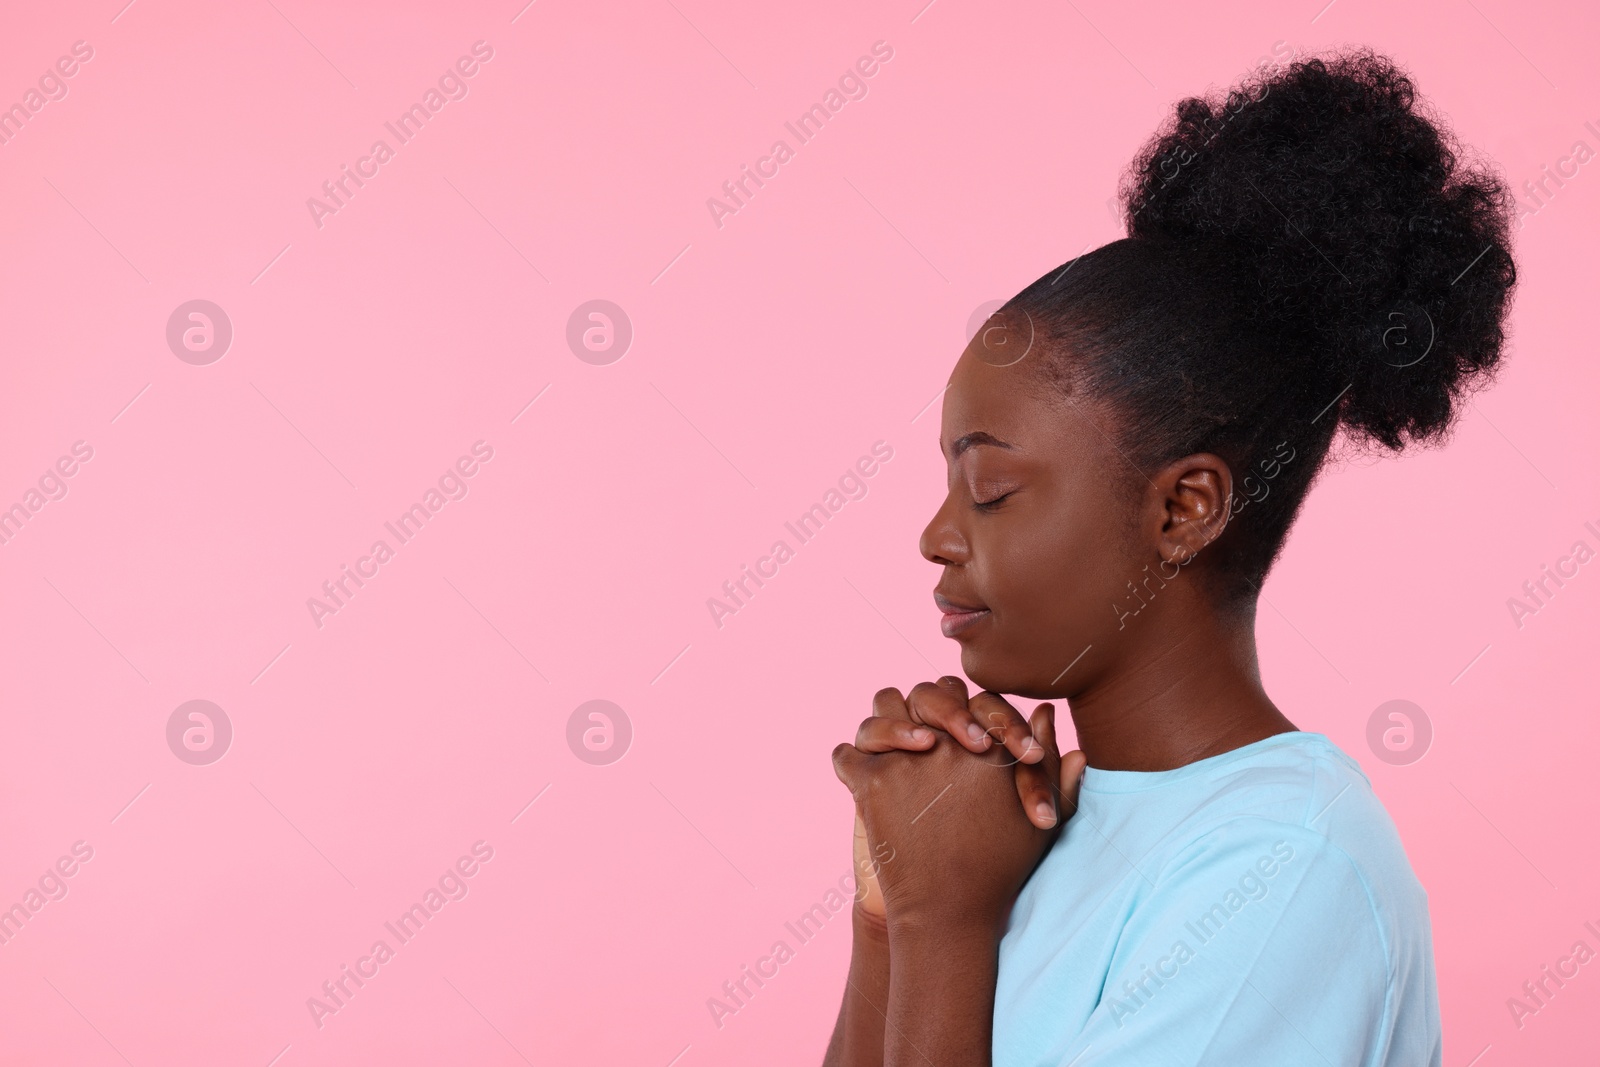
1254, 908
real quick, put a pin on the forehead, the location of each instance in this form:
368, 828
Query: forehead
1013, 399
995, 386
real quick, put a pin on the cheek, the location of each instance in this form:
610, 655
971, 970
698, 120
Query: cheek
1054, 582
1052, 567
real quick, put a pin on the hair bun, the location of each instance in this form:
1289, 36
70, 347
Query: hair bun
1381, 262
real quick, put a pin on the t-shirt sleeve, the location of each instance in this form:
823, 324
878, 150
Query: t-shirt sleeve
1256, 945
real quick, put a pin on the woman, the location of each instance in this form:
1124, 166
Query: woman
1128, 442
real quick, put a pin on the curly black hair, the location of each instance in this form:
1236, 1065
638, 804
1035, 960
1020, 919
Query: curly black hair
1305, 253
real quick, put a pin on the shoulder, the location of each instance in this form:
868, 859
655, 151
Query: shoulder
1293, 778
1305, 807
1307, 786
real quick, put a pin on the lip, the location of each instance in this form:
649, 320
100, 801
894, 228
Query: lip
958, 618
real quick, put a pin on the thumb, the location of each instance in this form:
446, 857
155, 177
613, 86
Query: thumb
1043, 725
848, 761
1072, 767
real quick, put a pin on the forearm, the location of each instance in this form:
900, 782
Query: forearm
858, 1035
941, 996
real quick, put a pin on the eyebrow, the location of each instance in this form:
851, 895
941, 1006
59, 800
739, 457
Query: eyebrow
972, 440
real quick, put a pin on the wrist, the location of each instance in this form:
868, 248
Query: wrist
936, 925
869, 925
942, 992
858, 1036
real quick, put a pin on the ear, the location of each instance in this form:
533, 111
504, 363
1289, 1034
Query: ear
1197, 502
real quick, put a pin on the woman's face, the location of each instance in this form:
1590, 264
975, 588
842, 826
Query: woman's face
1036, 535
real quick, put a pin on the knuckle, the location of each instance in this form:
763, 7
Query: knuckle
995, 700
1033, 779
930, 701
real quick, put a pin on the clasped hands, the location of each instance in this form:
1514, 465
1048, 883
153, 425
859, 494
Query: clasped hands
941, 837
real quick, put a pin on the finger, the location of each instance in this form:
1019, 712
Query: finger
887, 735
943, 704
1006, 724
1072, 767
1043, 727
1038, 783
889, 704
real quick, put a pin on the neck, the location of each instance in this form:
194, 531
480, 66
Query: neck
1189, 690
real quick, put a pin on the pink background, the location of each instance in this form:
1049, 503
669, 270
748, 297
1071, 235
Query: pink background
768, 354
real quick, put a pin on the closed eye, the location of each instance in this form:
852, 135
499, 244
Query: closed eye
991, 504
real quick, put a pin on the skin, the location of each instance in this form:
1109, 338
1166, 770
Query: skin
1044, 525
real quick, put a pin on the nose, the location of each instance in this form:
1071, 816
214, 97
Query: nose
943, 541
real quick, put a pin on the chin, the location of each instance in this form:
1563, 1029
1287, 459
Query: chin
989, 673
